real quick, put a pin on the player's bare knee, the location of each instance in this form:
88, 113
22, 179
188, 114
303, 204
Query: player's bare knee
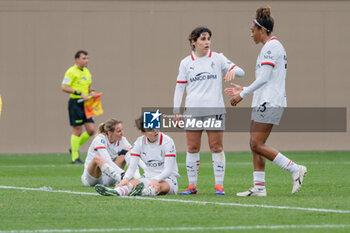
193, 149
216, 148
255, 145
98, 160
77, 130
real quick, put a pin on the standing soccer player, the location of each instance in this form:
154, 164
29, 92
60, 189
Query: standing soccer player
201, 75
77, 82
269, 100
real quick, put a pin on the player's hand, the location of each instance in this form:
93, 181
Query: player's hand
125, 181
155, 184
177, 118
230, 76
93, 94
234, 90
85, 97
235, 100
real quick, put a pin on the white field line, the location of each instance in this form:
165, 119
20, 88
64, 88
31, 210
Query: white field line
37, 165
179, 164
46, 189
163, 229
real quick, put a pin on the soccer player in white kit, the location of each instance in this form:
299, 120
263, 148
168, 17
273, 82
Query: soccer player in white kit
158, 152
201, 75
269, 100
106, 155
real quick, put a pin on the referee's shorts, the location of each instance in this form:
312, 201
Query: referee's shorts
76, 112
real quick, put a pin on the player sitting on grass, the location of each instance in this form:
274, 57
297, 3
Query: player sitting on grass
107, 155
158, 152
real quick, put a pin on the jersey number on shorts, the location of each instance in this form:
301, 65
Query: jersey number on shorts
262, 108
219, 117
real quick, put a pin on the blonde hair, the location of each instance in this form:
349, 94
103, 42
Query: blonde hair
108, 126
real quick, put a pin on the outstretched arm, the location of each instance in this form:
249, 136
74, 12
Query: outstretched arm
263, 78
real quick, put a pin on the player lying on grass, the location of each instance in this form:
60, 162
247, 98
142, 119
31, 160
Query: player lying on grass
158, 152
107, 155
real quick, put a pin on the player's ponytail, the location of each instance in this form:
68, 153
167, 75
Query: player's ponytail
101, 128
109, 125
264, 19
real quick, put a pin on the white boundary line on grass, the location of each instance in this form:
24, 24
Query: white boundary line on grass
46, 189
180, 228
179, 164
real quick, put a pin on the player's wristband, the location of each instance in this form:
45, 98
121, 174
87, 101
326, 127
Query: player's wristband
123, 152
77, 93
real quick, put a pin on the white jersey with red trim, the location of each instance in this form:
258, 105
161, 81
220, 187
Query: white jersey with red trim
203, 79
274, 91
153, 154
101, 142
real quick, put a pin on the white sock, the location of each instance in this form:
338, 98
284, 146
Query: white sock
259, 180
124, 190
219, 162
150, 191
285, 163
192, 165
106, 169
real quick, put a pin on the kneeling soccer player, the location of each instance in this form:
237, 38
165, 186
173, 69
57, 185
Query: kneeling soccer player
158, 152
107, 155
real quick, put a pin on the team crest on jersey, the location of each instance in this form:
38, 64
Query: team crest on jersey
103, 141
85, 78
172, 150
268, 55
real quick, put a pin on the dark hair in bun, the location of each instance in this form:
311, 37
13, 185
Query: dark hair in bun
263, 19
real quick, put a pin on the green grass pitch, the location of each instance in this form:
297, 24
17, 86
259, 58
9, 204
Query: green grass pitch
326, 186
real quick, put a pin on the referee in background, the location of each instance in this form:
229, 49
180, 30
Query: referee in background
77, 82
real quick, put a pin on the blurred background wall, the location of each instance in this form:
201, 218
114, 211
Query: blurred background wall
135, 48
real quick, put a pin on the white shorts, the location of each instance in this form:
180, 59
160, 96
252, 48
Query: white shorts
172, 181
267, 114
212, 122
89, 180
